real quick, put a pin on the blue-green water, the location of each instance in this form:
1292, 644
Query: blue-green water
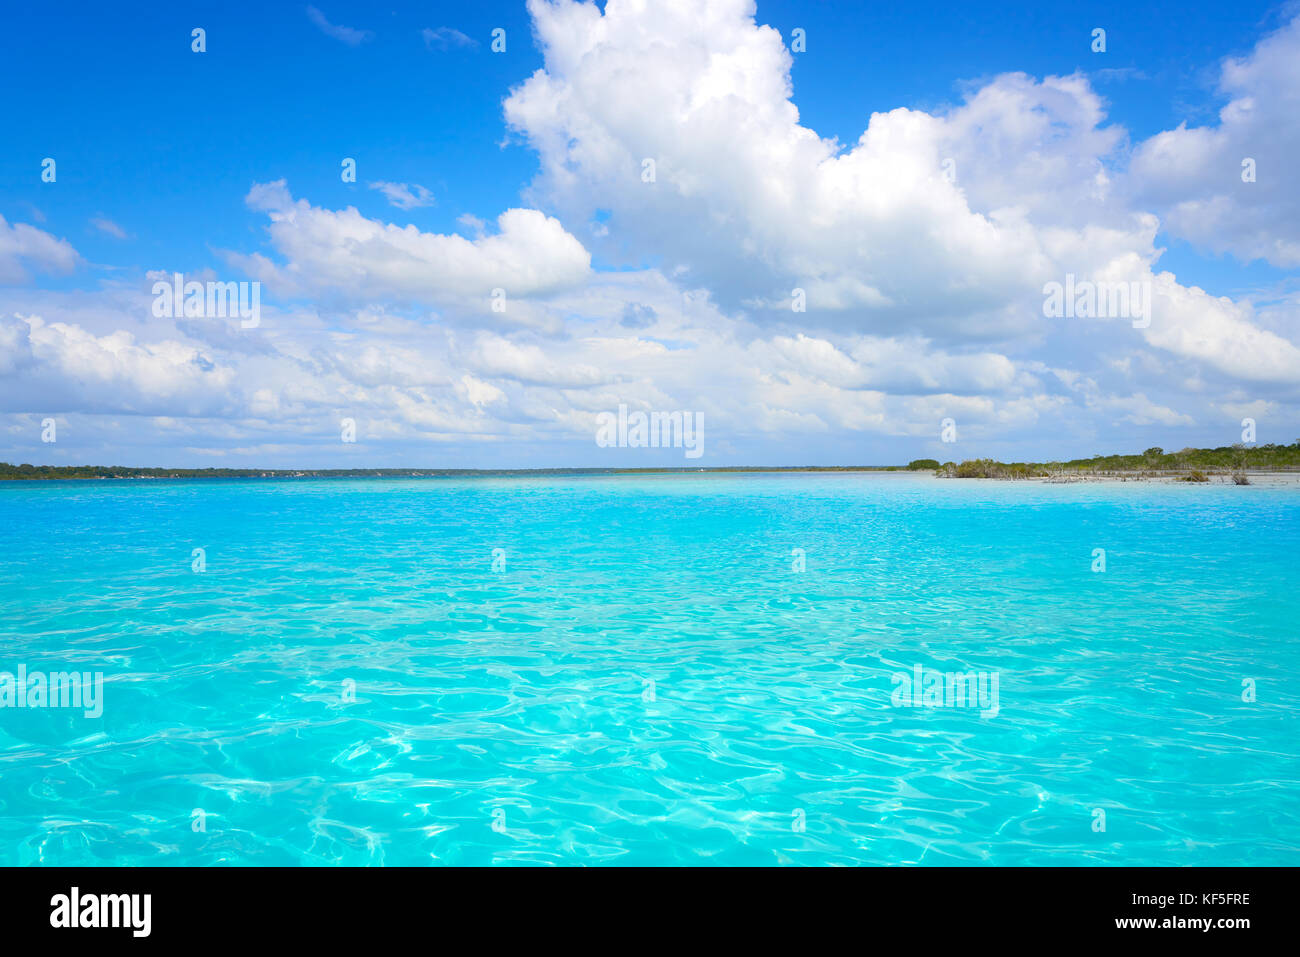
649, 679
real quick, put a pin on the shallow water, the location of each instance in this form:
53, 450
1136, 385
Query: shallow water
649, 680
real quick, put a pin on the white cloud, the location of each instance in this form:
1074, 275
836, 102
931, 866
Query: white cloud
346, 34
1142, 411
109, 227
1194, 174
768, 397
495, 355
924, 294
73, 369
444, 38
1219, 333
24, 247
472, 223
404, 195
346, 254
877, 236
480, 393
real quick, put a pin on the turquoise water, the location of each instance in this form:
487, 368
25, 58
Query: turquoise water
522, 697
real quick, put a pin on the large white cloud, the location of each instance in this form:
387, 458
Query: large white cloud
1194, 175
924, 289
60, 367
282, 389
940, 225
745, 199
342, 253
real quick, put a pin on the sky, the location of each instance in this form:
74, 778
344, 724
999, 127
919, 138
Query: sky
826, 231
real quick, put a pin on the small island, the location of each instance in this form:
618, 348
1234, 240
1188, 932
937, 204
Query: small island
1232, 462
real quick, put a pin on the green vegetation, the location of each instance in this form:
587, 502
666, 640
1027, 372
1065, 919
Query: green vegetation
987, 468
1235, 460
1257, 458
1198, 464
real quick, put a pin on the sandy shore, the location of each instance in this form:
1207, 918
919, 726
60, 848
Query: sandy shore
1270, 479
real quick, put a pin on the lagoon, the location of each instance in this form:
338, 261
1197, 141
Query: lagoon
665, 669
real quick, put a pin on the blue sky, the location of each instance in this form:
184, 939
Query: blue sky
160, 152
142, 123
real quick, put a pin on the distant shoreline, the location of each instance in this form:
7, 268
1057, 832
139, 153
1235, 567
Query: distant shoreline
1236, 462
118, 473
1192, 476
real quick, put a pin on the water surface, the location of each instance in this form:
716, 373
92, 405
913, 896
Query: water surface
650, 679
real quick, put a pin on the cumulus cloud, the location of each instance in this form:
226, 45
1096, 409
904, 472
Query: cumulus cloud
1219, 333
944, 225
767, 396
344, 253
495, 355
71, 369
875, 233
1231, 186
922, 248
896, 365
